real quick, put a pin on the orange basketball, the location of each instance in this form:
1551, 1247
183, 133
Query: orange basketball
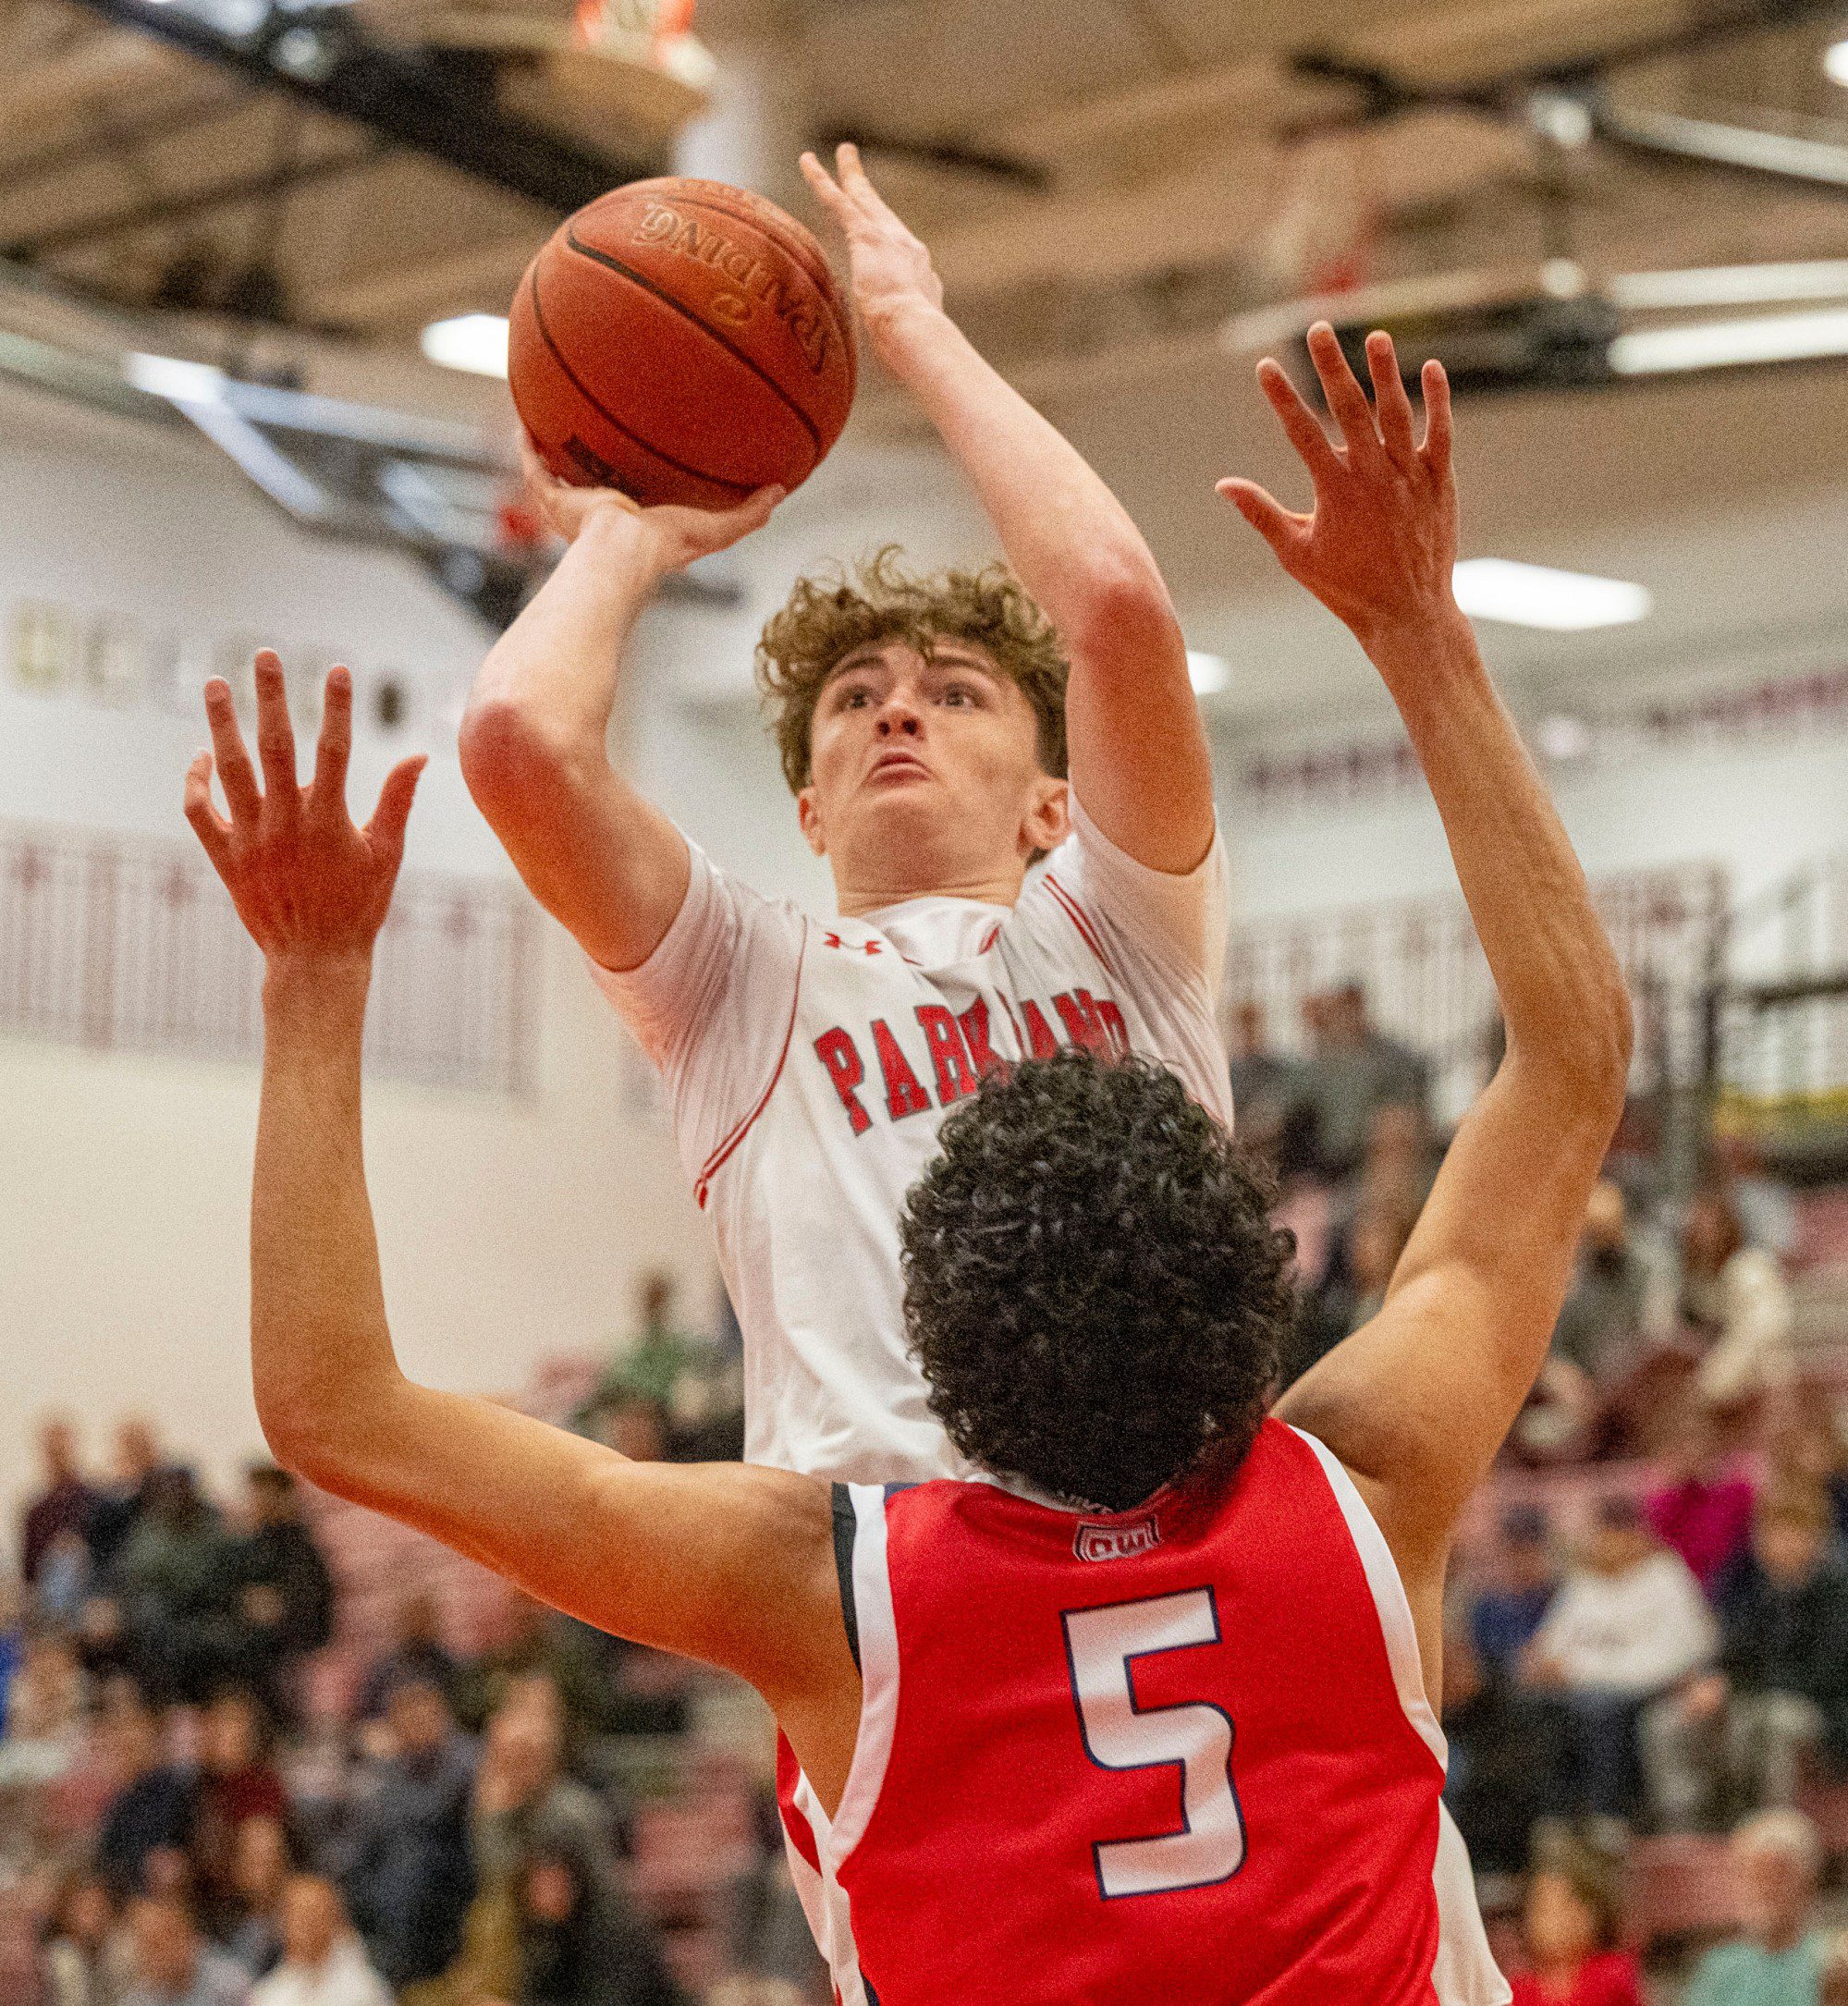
682, 341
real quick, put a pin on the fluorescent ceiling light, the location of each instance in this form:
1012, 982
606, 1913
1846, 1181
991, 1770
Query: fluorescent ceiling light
173, 378
1730, 286
1770, 338
1209, 673
476, 342
1835, 63
1563, 738
1533, 596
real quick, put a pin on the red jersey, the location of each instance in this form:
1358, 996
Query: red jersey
1610, 1980
1181, 1754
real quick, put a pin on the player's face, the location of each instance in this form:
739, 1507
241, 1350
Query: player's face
926, 773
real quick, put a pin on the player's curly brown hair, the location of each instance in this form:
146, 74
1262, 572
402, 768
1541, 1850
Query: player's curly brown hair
879, 599
1093, 1285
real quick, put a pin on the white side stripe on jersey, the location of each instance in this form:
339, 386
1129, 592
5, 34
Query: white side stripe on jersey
1465, 1973
878, 1671
1389, 1599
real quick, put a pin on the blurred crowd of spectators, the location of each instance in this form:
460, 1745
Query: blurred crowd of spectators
187, 1819
1647, 1631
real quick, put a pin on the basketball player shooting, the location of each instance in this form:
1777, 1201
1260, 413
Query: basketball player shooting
1149, 1710
923, 726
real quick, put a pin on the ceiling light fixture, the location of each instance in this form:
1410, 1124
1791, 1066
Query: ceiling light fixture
1835, 63
1535, 595
1730, 286
1769, 337
172, 377
476, 342
1563, 738
1208, 673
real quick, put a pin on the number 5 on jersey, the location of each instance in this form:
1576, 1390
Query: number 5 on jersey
1101, 1646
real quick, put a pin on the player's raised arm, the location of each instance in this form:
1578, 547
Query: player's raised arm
1139, 758
1419, 1400
534, 740
725, 1563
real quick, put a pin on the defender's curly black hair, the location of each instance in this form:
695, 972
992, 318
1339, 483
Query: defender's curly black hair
1093, 1285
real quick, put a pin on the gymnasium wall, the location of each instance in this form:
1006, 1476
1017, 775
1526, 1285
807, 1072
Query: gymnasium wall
512, 1228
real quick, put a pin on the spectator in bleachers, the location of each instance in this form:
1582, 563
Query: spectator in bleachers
660, 1351
1572, 1931
1603, 1310
154, 1804
1803, 1452
1703, 1509
82, 1961
1738, 1737
42, 1735
119, 1503
1734, 1301
1834, 1987
538, 1643
1779, 1958
322, 1960
1504, 1756
249, 1924
238, 1782
1377, 1239
1628, 1625
64, 1504
171, 1964
1354, 1071
523, 1796
63, 1585
12, 1639
280, 1587
579, 1944
1504, 1617
417, 1653
168, 1579
1766, 1206
1267, 1086
410, 1875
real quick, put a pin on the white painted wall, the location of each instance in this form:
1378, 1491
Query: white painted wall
511, 1230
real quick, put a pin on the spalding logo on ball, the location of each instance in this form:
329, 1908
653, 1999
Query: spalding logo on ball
683, 341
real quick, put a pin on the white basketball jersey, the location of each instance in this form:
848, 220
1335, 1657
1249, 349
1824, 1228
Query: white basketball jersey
808, 1064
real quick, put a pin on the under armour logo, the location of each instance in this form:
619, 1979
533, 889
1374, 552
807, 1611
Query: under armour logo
863, 946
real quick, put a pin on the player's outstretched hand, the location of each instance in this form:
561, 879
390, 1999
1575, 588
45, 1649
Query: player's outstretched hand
890, 269
670, 537
1380, 545
306, 883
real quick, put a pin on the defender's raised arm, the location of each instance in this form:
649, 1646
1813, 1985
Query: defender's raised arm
1140, 765
1418, 1401
725, 1563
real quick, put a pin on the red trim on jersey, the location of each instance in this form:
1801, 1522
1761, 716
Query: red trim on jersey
722, 1155
1080, 920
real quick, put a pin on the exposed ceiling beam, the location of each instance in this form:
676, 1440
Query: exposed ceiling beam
437, 103
101, 69
401, 290
158, 211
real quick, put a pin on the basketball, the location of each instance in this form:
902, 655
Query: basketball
683, 341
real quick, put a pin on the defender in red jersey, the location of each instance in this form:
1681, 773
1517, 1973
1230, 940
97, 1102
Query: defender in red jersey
1144, 1711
